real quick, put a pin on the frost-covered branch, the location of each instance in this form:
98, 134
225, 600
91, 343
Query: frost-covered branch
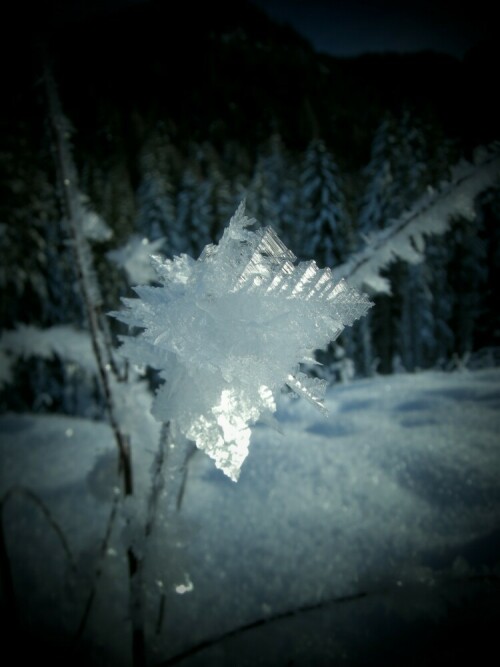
6, 579
98, 571
62, 340
83, 265
431, 215
90, 292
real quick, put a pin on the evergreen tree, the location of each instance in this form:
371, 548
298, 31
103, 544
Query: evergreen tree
186, 204
407, 156
325, 226
416, 325
218, 190
423, 332
156, 216
377, 207
487, 332
468, 274
35, 286
437, 259
323, 229
272, 192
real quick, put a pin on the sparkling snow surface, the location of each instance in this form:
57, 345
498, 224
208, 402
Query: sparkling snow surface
393, 499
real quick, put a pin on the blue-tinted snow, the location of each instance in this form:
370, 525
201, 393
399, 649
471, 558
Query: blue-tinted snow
394, 499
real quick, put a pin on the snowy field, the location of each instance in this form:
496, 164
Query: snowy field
368, 537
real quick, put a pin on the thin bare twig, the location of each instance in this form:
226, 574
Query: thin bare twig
98, 570
5, 565
89, 289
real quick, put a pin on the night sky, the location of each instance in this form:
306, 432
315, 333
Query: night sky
338, 27
351, 27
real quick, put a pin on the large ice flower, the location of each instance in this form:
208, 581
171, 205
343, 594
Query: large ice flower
229, 330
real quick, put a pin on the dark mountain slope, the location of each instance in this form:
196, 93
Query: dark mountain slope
224, 71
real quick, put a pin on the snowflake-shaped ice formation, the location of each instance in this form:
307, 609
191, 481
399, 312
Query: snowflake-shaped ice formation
229, 330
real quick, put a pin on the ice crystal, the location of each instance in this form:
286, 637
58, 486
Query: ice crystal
134, 258
229, 330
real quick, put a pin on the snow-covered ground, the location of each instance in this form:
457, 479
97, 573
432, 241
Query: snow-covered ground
377, 526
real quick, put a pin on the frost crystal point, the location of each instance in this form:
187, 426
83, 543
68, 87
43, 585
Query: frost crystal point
228, 330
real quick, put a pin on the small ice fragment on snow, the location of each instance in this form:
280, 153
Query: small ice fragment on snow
185, 587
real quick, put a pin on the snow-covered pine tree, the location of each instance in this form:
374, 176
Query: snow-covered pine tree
416, 323
412, 295
195, 212
323, 228
467, 270
376, 208
37, 289
326, 228
28, 225
408, 155
273, 190
155, 194
217, 198
487, 331
437, 258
